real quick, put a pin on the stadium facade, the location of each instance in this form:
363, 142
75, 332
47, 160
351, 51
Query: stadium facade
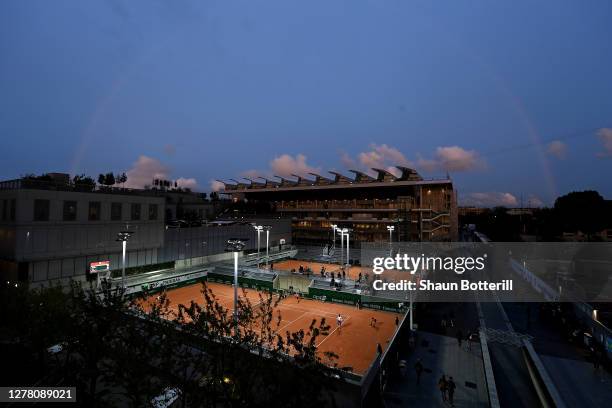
419, 209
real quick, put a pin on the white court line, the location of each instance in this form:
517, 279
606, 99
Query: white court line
294, 320
314, 310
332, 332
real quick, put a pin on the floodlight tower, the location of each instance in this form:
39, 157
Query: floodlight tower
258, 228
123, 237
235, 245
346, 231
267, 228
334, 227
391, 228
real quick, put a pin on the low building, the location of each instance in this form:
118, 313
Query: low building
52, 229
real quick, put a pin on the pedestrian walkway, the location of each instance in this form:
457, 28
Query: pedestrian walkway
579, 384
440, 355
568, 365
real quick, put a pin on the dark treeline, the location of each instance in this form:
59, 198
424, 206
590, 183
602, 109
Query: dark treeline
584, 212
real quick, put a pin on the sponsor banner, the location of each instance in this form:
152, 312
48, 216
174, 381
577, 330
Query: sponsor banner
168, 282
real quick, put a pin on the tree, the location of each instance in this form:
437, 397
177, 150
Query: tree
109, 179
581, 211
83, 183
122, 353
122, 179
101, 179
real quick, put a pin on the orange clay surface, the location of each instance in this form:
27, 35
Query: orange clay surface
352, 272
354, 341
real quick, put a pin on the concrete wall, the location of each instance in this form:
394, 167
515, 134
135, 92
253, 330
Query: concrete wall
186, 243
57, 249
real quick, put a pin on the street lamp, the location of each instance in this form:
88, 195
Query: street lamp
258, 228
235, 245
391, 228
345, 231
267, 228
123, 237
341, 246
334, 226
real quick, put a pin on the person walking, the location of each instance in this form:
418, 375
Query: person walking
459, 335
396, 321
418, 368
450, 385
442, 384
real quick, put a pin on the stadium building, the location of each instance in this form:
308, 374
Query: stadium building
420, 210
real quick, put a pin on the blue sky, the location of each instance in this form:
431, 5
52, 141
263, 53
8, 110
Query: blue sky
221, 89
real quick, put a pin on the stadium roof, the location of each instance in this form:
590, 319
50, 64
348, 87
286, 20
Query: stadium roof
384, 178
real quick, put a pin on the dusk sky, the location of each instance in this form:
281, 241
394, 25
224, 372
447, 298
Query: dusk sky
512, 99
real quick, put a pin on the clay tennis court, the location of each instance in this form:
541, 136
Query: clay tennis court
354, 343
352, 272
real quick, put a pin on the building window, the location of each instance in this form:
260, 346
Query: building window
152, 212
13, 209
116, 209
135, 212
41, 210
70, 210
94, 210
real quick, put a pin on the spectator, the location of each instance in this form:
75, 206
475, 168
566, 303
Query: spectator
442, 386
418, 368
451, 390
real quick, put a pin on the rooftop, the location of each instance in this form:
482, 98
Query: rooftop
62, 182
383, 178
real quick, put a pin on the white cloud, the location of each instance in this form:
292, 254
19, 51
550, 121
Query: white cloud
382, 156
452, 158
534, 201
189, 183
347, 161
216, 185
605, 136
285, 165
557, 149
379, 156
146, 169
489, 199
